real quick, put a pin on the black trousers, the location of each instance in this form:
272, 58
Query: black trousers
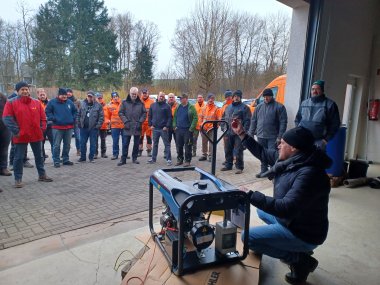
184, 139
103, 148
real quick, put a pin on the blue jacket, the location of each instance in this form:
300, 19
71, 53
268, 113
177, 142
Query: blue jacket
61, 113
301, 191
160, 115
237, 110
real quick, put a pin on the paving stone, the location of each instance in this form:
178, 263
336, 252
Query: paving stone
90, 193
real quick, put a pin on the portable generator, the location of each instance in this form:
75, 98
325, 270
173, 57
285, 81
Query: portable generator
187, 238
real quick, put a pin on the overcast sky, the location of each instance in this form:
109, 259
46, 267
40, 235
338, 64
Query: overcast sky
164, 13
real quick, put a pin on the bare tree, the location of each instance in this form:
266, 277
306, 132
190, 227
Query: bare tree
200, 42
276, 42
122, 25
27, 24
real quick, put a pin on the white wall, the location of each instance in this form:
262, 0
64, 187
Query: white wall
296, 61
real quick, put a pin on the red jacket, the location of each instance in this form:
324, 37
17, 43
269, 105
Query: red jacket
25, 118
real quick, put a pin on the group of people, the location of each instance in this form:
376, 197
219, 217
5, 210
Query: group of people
295, 217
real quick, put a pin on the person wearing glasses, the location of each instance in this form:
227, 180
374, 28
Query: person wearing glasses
61, 113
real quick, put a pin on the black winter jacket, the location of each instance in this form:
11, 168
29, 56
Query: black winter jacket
133, 114
160, 115
301, 192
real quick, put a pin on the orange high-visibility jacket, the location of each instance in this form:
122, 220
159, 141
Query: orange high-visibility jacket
113, 114
209, 113
199, 112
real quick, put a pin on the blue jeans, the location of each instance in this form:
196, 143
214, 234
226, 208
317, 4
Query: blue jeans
18, 161
157, 133
268, 144
116, 134
86, 134
275, 240
233, 147
58, 137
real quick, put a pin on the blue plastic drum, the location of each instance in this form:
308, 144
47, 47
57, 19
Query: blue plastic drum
335, 150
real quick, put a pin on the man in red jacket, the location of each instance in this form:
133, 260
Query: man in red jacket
26, 119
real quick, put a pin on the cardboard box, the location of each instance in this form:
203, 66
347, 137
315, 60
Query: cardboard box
152, 268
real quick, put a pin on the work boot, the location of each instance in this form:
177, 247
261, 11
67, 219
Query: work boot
149, 153
239, 171
186, 164
27, 164
5, 172
300, 270
45, 178
140, 152
18, 184
122, 162
179, 163
226, 168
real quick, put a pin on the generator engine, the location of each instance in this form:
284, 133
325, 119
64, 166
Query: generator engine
188, 239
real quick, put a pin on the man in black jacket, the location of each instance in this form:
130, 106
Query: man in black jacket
268, 123
160, 120
296, 216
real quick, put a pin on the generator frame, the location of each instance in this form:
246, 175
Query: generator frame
227, 198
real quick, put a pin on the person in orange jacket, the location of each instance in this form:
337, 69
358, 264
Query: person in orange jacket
117, 126
209, 113
48, 133
103, 129
198, 107
146, 130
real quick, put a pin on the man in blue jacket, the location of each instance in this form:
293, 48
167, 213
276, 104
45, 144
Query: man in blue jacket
160, 120
61, 114
296, 216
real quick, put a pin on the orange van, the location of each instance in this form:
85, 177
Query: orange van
278, 87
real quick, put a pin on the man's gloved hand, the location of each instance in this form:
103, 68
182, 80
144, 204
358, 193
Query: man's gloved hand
256, 198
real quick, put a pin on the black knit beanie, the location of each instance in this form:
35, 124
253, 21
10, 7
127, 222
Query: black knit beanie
300, 138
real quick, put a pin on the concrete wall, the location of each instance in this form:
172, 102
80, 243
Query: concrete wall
296, 60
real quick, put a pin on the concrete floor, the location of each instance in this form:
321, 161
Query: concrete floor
350, 255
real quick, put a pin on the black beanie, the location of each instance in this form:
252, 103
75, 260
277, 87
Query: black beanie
21, 84
268, 92
62, 91
300, 138
238, 93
